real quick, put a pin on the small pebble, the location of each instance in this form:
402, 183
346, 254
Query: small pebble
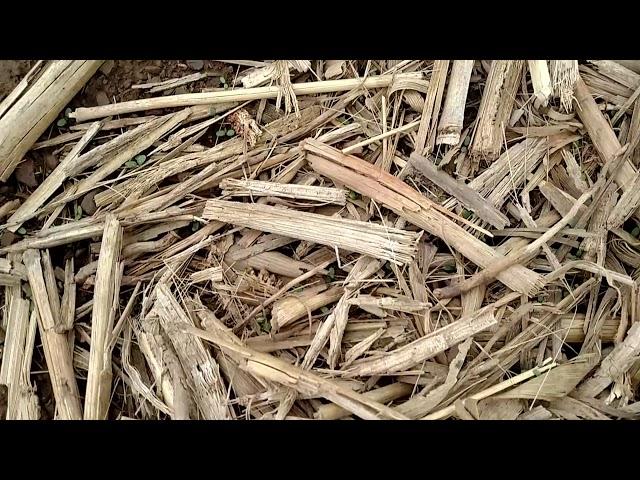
88, 203
7, 238
102, 98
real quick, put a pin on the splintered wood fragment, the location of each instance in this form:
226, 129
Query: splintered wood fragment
37, 107
560, 200
172, 82
56, 346
15, 94
404, 128
541, 80
628, 203
495, 107
303, 381
617, 72
28, 407
67, 167
431, 344
452, 117
493, 390
392, 244
68, 302
211, 274
564, 75
250, 188
556, 383
364, 268
238, 95
603, 137
141, 138
202, 372
425, 347
400, 304
514, 257
614, 365
431, 109
14, 351
296, 306
106, 295
362, 177
383, 395
470, 198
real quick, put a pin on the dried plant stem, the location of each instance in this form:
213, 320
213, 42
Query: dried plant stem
303, 381
534, 372
238, 95
495, 107
521, 255
406, 202
99, 376
430, 345
541, 80
470, 198
56, 345
250, 188
202, 373
383, 395
452, 117
431, 109
392, 244
37, 106
66, 168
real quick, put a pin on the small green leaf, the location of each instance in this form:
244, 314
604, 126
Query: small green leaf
466, 214
449, 267
331, 273
140, 159
221, 133
264, 324
78, 212
231, 132
223, 80
579, 253
67, 112
353, 195
62, 122
22, 231
324, 310
195, 226
131, 164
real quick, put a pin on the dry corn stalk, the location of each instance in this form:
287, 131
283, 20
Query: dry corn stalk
564, 75
406, 202
397, 246
541, 80
452, 117
495, 107
37, 105
251, 188
240, 95
106, 296
430, 345
304, 382
203, 377
56, 345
